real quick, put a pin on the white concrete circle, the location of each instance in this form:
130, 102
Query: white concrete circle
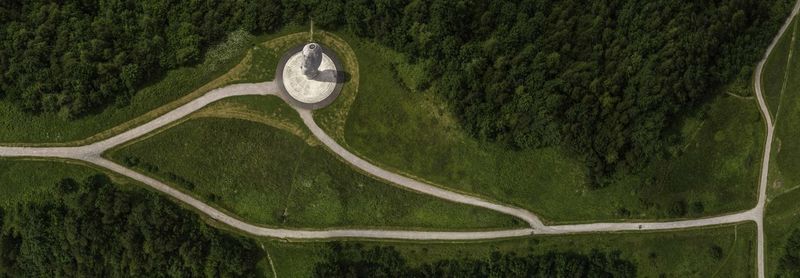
307, 90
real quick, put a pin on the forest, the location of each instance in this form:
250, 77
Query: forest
355, 260
95, 229
76, 57
606, 80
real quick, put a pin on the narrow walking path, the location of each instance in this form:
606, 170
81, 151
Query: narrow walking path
762, 105
92, 154
412, 184
786, 71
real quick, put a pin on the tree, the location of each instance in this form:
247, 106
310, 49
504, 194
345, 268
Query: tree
604, 84
74, 57
716, 252
95, 229
355, 260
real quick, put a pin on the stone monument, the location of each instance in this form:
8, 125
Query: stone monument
312, 55
309, 76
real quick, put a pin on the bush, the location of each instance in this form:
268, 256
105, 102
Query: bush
677, 209
623, 212
716, 252
149, 167
131, 161
698, 208
214, 198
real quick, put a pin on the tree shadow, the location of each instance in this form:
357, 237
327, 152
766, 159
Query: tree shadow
332, 76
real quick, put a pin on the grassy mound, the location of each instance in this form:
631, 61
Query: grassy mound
273, 177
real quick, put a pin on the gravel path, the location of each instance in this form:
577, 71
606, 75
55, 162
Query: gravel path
762, 105
92, 154
411, 184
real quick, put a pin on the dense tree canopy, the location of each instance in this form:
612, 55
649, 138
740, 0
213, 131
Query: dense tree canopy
353, 260
605, 79
73, 57
93, 229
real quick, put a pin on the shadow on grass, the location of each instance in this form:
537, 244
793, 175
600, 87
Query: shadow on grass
332, 76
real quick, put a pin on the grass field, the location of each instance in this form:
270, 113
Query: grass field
263, 65
269, 176
784, 174
27, 179
228, 62
783, 210
270, 110
673, 253
781, 218
413, 132
774, 72
332, 118
718, 166
292, 259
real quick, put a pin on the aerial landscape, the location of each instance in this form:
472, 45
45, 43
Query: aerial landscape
399, 138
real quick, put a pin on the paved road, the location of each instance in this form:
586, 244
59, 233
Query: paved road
92, 154
762, 105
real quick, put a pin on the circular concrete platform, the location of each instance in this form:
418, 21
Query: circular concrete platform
303, 92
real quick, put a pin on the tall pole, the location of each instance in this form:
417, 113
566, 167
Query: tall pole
311, 36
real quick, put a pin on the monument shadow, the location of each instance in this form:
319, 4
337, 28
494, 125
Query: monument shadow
332, 76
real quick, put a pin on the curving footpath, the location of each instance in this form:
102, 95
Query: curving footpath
92, 153
408, 183
768, 122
